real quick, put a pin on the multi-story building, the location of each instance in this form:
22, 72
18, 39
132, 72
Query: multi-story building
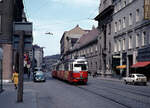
12, 22
69, 39
105, 37
130, 32
49, 61
10, 11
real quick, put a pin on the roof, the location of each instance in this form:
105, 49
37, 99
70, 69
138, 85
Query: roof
141, 64
87, 38
76, 32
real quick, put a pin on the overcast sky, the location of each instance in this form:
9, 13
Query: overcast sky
57, 16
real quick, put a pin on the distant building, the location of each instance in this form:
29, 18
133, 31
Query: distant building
69, 39
48, 61
87, 46
38, 55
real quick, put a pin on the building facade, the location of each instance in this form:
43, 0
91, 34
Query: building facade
130, 33
105, 37
10, 11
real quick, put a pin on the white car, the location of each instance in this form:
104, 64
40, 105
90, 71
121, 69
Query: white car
135, 78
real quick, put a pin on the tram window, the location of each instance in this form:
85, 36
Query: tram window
83, 66
71, 66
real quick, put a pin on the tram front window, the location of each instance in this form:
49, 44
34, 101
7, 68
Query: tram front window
82, 66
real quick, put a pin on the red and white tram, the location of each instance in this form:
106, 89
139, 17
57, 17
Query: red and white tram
73, 71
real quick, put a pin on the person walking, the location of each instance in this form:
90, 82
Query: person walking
15, 79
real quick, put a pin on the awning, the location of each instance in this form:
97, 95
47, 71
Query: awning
140, 64
121, 67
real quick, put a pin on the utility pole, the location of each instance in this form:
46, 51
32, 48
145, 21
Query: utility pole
21, 67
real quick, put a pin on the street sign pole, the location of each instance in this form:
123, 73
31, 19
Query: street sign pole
21, 67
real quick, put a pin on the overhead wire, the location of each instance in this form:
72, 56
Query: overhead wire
57, 23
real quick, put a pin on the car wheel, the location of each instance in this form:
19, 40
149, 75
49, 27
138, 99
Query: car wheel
144, 83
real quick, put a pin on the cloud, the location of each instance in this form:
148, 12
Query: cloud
78, 2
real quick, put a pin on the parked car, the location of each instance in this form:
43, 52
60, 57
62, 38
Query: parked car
135, 79
36, 69
39, 76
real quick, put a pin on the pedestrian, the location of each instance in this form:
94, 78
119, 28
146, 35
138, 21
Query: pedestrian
15, 79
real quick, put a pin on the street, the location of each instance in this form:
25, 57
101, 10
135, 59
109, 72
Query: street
98, 93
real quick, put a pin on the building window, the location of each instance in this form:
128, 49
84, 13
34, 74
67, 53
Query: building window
119, 26
115, 8
91, 49
130, 1
137, 40
143, 38
119, 6
0, 23
115, 26
109, 47
115, 46
96, 48
130, 19
137, 15
109, 29
130, 42
124, 3
119, 45
123, 44
124, 22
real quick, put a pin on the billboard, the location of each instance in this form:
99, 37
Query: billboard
147, 9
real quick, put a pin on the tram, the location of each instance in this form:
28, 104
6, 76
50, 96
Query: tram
73, 71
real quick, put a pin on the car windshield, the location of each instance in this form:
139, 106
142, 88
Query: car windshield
83, 66
140, 75
39, 73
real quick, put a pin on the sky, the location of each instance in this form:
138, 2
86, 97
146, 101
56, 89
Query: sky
57, 16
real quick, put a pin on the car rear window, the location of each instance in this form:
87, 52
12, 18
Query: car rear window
140, 75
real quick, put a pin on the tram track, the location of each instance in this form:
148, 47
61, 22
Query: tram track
137, 92
122, 90
140, 92
111, 98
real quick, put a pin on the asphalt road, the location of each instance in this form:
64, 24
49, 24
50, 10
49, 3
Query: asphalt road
97, 93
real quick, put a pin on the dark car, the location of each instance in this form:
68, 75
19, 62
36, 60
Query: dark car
39, 77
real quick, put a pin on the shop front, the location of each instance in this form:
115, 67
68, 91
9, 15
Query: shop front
143, 62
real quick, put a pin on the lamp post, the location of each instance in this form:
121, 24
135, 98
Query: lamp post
21, 67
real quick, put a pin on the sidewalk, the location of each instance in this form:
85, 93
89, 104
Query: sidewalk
8, 98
